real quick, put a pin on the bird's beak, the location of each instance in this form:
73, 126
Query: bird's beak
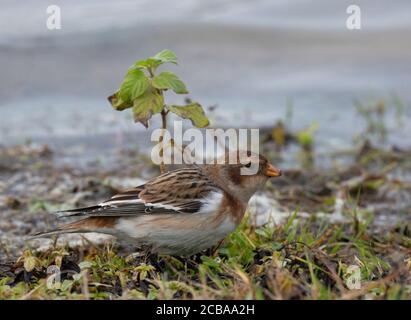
272, 172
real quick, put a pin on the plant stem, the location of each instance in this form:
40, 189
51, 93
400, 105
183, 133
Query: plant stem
163, 128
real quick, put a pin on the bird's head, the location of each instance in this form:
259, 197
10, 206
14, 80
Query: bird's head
242, 173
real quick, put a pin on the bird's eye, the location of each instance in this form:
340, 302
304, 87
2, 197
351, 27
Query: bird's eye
248, 165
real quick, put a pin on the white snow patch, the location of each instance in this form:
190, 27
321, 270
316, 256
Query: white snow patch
265, 209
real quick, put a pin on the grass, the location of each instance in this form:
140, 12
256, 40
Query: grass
301, 259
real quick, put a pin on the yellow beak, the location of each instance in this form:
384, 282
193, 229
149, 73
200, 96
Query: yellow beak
272, 172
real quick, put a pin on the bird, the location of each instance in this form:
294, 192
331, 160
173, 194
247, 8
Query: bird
180, 212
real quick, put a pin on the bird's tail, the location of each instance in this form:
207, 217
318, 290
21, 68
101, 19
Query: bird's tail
92, 224
76, 212
50, 233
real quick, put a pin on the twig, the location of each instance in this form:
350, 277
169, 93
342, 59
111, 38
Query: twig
163, 129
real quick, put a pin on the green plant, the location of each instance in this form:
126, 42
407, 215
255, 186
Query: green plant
306, 137
143, 91
375, 117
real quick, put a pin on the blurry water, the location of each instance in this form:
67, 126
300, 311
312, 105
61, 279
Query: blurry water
252, 58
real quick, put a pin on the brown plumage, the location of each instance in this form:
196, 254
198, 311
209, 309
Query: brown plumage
179, 212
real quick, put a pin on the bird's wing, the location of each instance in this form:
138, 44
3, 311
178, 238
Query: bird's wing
178, 191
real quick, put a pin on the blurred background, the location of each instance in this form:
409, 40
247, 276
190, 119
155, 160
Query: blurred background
253, 59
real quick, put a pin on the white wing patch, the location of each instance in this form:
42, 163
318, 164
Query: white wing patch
211, 203
114, 204
164, 206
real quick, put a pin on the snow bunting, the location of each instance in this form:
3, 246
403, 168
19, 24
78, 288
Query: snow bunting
180, 212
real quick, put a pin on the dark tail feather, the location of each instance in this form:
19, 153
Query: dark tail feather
54, 232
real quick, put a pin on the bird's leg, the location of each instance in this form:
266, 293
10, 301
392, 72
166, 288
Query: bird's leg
215, 249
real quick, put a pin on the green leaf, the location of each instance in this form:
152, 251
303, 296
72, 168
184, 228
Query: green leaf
306, 137
134, 85
168, 80
85, 265
166, 56
149, 63
146, 105
117, 103
193, 111
66, 285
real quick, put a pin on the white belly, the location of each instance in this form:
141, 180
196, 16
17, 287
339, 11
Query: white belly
168, 234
